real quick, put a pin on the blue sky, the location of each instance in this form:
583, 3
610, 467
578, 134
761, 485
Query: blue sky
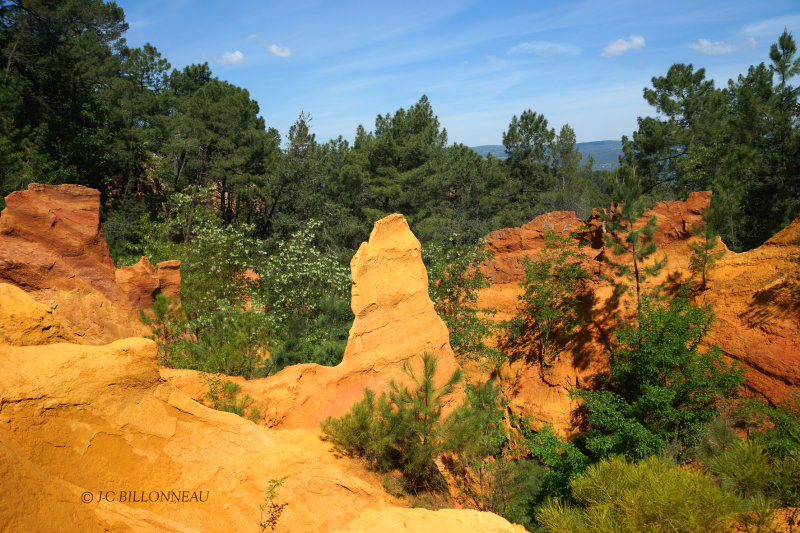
582, 62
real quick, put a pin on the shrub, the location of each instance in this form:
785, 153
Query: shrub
654, 495
454, 280
661, 388
476, 432
401, 429
562, 459
767, 463
270, 511
224, 396
550, 301
235, 344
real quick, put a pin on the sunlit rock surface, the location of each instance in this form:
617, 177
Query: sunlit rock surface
52, 247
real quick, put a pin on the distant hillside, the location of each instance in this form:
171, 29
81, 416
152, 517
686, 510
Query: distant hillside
605, 153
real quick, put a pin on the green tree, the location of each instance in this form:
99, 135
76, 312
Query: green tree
623, 238
400, 429
574, 189
59, 61
703, 256
563, 460
692, 110
550, 302
454, 279
661, 388
528, 143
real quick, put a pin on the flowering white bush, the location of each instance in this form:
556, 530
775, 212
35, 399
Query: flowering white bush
296, 278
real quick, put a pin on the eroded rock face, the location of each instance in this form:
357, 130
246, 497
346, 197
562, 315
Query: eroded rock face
81, 419
756, 300
142, 283
92, 439
25, 322
755, 295
52, 247
394, 322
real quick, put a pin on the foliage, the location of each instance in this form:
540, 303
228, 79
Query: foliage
623, 238
703, 256
774, 438
168, 323
296, 278
563, 460
552, 287
475, 432
660, 387
454, 279
652, 495
320, 339
270, 512
528, 143
741, 141
399, 429
235, 344
223, 396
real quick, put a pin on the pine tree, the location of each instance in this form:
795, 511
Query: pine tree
703, 255
624, 238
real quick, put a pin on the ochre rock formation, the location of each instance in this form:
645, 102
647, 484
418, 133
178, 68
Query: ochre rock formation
24, 321
396, 520
169, 278
80, 420
139, 283
52, 247
142, 283
755, 295
394, 322
756, 301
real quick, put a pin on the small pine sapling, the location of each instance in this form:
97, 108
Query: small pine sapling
623, 238
703, 256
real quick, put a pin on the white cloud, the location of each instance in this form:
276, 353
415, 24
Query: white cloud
493, 59
773, 28
621, 45
545, 49
231, 57
280, 51
704, 46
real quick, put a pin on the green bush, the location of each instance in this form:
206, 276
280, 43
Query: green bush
224, 396
476, 432
401, 429
653, 495
767, 464
552, 286
454, 280
234, 344
563, 460
661, 388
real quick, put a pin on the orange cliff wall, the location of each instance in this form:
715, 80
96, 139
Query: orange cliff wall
755, 296
52, 247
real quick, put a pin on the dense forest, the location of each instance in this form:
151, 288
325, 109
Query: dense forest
189, 168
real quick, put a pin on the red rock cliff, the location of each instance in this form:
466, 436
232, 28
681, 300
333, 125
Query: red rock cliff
52, 247
755, 296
